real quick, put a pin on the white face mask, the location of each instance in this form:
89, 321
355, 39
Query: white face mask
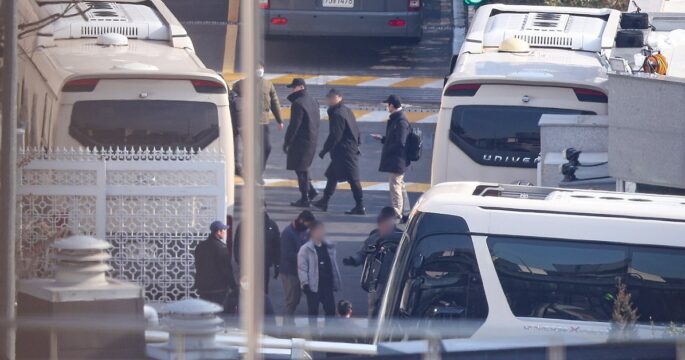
260, 72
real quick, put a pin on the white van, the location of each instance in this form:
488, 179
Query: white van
502, 261
516, 64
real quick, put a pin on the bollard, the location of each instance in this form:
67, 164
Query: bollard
80, 313
192, 325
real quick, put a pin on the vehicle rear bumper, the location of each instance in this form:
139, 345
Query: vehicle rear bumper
328, 23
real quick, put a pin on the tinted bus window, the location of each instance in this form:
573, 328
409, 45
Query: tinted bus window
486, 131
574, 280
153, 123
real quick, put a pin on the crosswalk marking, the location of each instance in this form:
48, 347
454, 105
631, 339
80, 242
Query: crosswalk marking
321, 184
348, 80
363, 115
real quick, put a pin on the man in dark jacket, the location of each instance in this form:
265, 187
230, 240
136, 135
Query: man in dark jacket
272, 248
300, 139
270, 105
394, 155
343, 145
386, 223
292, 238
213, 270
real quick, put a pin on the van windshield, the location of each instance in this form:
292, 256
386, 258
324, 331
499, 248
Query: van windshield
574, 280
501, 135
144, 123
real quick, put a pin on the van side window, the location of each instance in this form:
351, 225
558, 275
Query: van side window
576, 280
444, 283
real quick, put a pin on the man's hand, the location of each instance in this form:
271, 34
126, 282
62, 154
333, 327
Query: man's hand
281, 125
378, 137
349, 261
306, 289
277, 271
322, 154
285, 148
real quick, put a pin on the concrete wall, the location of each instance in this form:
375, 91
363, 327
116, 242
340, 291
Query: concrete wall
647, 129
587, 133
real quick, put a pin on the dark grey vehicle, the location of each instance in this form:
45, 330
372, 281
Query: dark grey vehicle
379, 18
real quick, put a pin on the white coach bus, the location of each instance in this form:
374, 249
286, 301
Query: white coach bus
516, 64
124, 74
507, 261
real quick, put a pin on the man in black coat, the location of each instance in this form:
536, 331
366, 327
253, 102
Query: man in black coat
272, 248
300, 139
343, 145
394, 154
213, 270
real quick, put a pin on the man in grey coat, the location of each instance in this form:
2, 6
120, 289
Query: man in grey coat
318, 272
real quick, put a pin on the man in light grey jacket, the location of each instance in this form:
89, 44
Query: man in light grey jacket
318, 272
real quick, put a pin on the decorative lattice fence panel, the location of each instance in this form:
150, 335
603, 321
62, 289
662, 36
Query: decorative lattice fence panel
153, 206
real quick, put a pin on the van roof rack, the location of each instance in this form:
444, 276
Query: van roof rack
513, 191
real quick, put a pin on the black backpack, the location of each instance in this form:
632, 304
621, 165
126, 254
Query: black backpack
414, 144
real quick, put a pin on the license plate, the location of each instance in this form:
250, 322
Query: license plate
338, 3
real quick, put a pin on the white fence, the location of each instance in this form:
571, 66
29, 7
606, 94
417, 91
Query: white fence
153, 206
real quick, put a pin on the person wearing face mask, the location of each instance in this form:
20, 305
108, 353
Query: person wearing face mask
394, 154
292, 238
301, 138
270, 105
214, 277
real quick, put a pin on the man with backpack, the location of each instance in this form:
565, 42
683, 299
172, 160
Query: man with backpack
394, 160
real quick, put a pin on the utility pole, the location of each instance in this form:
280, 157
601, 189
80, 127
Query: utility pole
8, 175
252, 219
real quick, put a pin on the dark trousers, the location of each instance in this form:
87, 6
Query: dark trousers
304, 183
355, 186
324, 297
267, 144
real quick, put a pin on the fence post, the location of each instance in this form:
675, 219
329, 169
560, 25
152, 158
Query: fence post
101, 200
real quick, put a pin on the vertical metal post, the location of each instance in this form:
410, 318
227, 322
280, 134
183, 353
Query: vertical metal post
252, 218
8, 174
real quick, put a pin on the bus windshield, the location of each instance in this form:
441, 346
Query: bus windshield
145, 123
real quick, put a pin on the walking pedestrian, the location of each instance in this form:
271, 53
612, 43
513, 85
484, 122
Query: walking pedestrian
393, 155
300, 139
386, 223
214, 277
272, 248
343, 144
319, 273
293, 237
270, 105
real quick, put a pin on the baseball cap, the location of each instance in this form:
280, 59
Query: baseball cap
296, 82
393, 100
333, 92
217, 225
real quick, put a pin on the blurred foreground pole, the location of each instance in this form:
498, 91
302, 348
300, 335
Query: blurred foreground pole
8, 171
252, 218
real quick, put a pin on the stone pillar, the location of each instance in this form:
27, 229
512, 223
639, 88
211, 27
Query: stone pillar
192, 325
81, 313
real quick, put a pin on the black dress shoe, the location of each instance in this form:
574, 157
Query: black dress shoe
312, 194
357, 210
321, 204
303, 203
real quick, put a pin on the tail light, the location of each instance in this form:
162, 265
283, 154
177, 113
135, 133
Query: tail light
414, 5
264, 4
462, 90
397, 23
279, 21
209, 87
80, 85
588, 95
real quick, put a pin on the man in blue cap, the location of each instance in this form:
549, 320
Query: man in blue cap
213, 269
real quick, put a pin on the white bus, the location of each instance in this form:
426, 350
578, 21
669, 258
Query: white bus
122, 74
507, 261
517, 63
